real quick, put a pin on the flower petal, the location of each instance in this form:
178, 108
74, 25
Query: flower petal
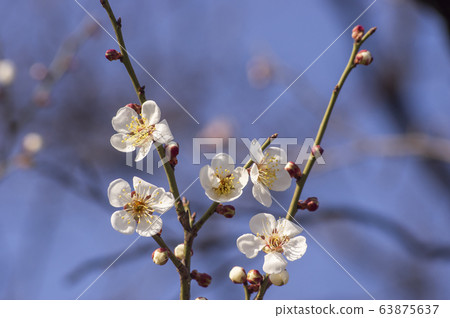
143, 151
276, 153
122, 222
123, 118
162, 200
262, 223
254, 173
143, 187
288, 228
274, 263
262, 194
119, 193
256, 153
283, 180
151, 112
233, 195
222, 164
149, 226
241, 177
295, 248
121, 143
208, 179
250, 245
213, 196
162, 133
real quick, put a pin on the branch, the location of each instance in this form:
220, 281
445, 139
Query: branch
323, 126
117, 25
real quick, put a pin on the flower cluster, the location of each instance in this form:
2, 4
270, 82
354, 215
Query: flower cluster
138, 127
141, 208
223, 182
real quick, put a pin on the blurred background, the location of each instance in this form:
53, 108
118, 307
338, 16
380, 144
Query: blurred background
384, 191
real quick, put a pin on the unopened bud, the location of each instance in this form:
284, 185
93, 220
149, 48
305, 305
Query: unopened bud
301, 205
253, 288
160, 256
113, 55
201, 298
312, 204
317, 151
238, 275
172, 150
227, 211
137, 108
7, 72
357, 33
254, 276
293, 170
279, 279
363, 57
32, 143
179, 251
202, 279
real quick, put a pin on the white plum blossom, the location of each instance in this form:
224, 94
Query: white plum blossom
267, 173
138, 206
275, 238
139, 131
221, 181
7, 72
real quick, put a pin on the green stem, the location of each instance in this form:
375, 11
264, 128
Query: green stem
246, 292
263, 147
125, 59
323, 126
263, 288
141, 95
211, 210
182, 216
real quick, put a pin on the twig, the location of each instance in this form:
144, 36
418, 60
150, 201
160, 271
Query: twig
323, 126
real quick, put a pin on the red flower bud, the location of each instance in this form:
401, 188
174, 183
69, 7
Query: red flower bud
254, 276
202, 279
113, 55
312, 204
253, 288
317, 151
357, 33
363, 57
301, 205
293, 170
172, 150
227, 211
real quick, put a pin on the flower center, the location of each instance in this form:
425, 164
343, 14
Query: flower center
226, 184
268, 171
274, 242
140, 132
139, 207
